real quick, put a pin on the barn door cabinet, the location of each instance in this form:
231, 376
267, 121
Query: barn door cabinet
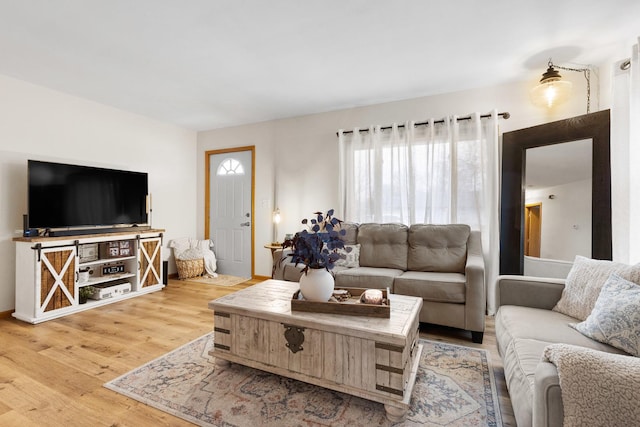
118, 265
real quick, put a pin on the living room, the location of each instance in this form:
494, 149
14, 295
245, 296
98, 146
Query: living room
45, 117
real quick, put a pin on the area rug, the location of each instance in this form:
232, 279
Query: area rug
221, 280
455, 386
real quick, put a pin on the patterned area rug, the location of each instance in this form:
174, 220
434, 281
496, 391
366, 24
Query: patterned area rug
455, 386
221, 280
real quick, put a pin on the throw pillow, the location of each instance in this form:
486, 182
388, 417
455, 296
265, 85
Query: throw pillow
615, 319
189, 254
351, 259
180, 245
585, 281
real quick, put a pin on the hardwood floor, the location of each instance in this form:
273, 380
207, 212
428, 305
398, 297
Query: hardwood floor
52, 373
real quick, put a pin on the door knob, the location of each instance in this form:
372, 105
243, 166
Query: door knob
245, 224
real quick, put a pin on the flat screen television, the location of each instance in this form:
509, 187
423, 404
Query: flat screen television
74, 196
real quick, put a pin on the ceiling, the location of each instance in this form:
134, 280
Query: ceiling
204, 64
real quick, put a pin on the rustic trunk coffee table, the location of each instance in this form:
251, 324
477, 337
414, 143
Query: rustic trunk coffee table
373, 358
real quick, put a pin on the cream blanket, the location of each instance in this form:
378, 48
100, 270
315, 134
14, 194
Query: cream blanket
598, 388
184, 247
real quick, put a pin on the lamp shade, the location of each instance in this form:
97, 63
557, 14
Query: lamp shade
552, 90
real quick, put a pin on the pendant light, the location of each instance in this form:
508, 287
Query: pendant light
552, 90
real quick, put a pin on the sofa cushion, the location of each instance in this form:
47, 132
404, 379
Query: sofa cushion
383, 245
291, 272
515, 322
440, 248
615, 319
351, 236
431, 286
520, 360
585, 281
367, 277
337, 268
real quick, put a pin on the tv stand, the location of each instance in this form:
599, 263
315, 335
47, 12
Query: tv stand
128, 262
133, 228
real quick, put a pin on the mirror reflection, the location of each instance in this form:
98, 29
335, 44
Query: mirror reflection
557, 210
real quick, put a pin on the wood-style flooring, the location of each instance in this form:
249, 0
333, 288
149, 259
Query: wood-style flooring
51, 374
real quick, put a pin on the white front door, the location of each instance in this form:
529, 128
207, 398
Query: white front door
230, 221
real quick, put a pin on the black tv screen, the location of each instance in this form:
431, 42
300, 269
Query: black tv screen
62, 195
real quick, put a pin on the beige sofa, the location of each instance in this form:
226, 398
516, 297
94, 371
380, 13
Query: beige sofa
442, 264
525, 326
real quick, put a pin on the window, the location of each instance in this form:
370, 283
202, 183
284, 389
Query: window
230, 167
426, 174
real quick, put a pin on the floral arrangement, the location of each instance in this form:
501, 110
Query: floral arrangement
318, 246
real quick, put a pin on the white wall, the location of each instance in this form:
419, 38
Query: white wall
43, 124
301, 153
566, 220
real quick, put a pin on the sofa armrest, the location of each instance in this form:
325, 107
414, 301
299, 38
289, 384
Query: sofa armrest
529, 291
547, 397
279, 259
475, 292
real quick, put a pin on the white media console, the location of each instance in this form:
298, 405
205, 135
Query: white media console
51, 270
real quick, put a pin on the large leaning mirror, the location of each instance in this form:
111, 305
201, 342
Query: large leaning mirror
556, 193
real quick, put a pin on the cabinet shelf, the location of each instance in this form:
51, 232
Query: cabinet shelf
104, 261
104, 279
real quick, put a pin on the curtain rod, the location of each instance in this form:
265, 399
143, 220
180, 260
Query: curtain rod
504, 115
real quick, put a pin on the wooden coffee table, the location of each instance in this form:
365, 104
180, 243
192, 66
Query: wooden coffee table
373, 358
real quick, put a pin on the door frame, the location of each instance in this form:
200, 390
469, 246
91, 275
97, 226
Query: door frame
207, 201
537, 236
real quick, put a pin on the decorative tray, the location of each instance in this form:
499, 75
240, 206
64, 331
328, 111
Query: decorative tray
350, 306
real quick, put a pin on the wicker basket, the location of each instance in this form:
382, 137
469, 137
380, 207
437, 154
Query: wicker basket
188, 268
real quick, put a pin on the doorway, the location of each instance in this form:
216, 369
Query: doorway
229, 208
532, 229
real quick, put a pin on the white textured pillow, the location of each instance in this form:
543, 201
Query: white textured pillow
352, 258
180, 245
193, 253
584, 282
615, 319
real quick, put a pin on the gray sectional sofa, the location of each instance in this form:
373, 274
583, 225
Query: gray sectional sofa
442, 264
525, 326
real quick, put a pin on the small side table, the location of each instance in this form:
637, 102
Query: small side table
273, 247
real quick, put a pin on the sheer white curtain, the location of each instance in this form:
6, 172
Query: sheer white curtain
625, 157
438, 173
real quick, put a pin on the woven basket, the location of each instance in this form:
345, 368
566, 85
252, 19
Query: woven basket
190, 268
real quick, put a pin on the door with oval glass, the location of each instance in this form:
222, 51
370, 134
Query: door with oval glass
229, 206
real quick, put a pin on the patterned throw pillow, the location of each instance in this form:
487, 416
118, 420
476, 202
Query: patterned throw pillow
352, 259
583, 284
615, 319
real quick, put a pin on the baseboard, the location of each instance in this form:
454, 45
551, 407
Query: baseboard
175, 276
5, 314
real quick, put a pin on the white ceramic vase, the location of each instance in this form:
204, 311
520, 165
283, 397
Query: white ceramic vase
317, 284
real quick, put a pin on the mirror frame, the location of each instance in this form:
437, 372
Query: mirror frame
594, 126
